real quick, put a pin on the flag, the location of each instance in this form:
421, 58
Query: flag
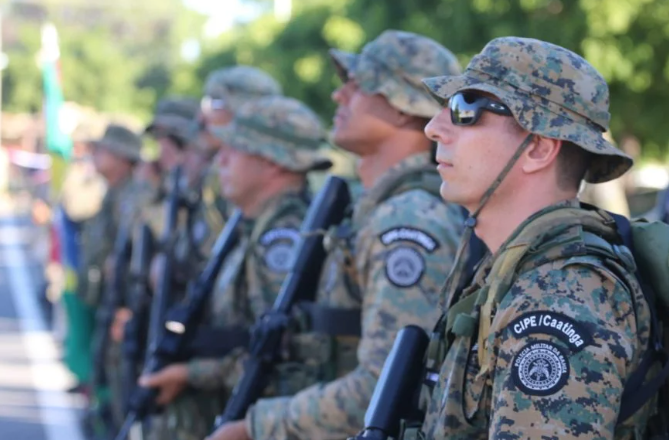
56, 137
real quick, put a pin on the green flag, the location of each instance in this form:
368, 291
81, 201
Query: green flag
57, 140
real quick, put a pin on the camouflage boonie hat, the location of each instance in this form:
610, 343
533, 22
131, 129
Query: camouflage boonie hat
173, 118
120, 141
280, 129
551, 92
239, 84
394, 64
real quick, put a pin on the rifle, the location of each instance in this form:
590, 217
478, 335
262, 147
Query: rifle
328, 209
173, 332
134, 335
397, 392
113, 298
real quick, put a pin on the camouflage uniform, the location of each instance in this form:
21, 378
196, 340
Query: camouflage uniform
287, 133
174, 118
119, 206
542, 341
384, 269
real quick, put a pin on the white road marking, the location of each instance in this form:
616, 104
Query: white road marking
49, 377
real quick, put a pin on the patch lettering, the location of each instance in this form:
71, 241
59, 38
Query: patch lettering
540, 369
421, 238
556, 324
404, 266
277, 234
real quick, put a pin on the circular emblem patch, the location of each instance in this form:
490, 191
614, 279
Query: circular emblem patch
279, 257
540, 369
404, 266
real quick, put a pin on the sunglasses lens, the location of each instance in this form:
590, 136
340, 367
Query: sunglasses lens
465, 110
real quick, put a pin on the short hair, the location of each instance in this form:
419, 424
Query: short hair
572, 164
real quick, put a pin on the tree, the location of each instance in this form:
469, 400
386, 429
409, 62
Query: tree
626, 40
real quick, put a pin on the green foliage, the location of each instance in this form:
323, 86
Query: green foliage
627, 40
115, 57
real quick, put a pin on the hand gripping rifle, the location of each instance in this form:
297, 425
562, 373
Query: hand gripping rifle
171, 333
328, 209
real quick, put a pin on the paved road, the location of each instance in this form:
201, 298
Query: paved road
33, 405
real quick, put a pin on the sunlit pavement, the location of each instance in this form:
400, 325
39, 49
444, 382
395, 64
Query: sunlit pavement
33, 402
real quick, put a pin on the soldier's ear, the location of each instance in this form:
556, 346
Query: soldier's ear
541, 154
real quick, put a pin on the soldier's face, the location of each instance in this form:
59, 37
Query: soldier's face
105, 162
170, 154
241, 175
195, 161
471, 157
361, 122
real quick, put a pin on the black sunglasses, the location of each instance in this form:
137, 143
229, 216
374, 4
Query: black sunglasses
467, 107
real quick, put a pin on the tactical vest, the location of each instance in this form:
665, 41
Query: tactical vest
346, 322
325, 339
563, 233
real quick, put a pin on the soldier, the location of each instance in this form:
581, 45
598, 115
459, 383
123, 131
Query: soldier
267, 151
225, 91
561, 323
384, 269
114, 157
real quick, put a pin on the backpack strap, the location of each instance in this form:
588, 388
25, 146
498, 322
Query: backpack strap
636, 394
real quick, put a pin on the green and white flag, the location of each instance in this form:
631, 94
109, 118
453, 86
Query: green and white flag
57, 139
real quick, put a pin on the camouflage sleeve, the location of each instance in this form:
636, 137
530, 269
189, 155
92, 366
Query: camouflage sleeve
402, 257
271, 259
217, 374
267, 264
566, 338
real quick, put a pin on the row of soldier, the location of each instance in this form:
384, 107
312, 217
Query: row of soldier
403, 108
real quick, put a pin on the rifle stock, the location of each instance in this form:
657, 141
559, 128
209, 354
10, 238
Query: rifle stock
396, 393
328, 209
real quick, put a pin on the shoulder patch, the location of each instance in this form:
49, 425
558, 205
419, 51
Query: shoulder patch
404, 266
280, 245
540, 369
421, 238
279, 256
276, 234
556, 324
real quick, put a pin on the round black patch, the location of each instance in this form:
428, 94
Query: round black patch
540, 369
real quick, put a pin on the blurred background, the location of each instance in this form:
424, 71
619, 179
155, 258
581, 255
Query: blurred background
67, 64
118, 57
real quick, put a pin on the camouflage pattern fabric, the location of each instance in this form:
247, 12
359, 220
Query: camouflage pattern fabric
119, 205
173, 117
551, 92
251, 277
566, 335
394, 64
253, 272
280, 129
390, 267
98, 236
240, 84
214, 208
120, 141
